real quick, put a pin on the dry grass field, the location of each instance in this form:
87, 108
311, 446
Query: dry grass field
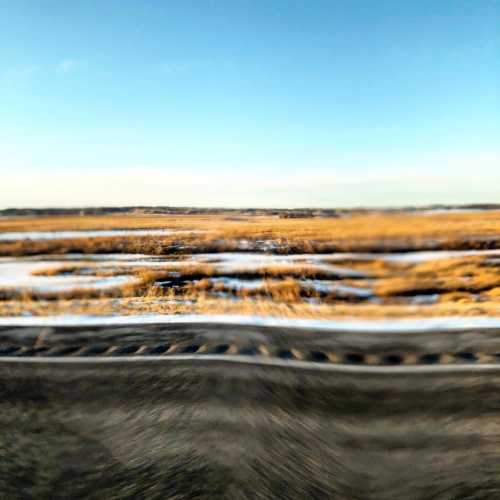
372, 264
372, 231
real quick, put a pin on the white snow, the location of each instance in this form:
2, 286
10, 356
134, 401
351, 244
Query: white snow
239, 284
17, 273
56, 235
251, 260
230, 262
407, 325
340, 289
409, 257
416, 257
19, 276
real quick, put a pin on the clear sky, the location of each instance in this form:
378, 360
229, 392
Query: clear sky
249, 102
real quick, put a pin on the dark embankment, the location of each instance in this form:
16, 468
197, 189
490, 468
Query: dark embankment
120, 424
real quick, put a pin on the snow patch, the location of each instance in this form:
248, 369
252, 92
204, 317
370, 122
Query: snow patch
406, 325
57, 235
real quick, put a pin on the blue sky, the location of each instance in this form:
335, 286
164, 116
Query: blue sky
249, 102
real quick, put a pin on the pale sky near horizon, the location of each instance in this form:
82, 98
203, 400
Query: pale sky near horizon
249, 102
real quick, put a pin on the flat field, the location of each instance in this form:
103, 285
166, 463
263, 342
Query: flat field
364, 264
